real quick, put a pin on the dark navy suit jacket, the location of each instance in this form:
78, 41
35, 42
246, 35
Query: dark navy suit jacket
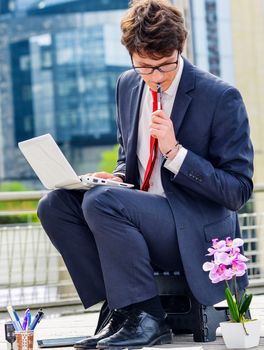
215, 179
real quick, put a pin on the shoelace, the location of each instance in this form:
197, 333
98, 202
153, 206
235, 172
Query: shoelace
115, 318
132, 320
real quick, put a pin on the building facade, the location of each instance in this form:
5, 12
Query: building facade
212, 42
248, 52
228, 41
59, 61
58, 76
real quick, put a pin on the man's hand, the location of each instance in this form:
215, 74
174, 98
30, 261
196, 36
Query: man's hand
161, 127
105, 175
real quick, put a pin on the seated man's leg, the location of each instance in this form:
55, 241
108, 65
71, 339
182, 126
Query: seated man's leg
61, 216
132, 230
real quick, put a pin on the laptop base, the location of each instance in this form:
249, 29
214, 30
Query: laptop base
58, 342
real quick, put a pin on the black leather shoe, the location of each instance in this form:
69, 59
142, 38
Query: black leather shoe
140, 329
113, 325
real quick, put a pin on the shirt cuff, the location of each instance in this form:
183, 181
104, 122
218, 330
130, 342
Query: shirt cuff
175, 164
121, 175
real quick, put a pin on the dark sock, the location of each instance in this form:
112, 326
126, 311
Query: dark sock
151, 306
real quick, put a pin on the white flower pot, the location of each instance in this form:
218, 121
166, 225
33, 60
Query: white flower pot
235, 337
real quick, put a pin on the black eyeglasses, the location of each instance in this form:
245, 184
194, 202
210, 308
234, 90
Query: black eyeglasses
163, 68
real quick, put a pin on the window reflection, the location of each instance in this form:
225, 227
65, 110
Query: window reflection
67, 78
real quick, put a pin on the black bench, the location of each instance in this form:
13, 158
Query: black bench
185, 314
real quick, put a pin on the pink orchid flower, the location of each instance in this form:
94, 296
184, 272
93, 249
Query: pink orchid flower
208, 266
222, 258
239, 267
217, 272
218, 246
241, 257
235, 255
220, 273
235, 243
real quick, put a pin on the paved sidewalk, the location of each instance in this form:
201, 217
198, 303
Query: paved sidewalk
64, 322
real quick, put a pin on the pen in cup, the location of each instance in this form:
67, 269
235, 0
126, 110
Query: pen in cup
26, 320
15, 319
159, 95
36, 319
29, 319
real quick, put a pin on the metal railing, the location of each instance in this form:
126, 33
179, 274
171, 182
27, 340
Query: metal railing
32, 271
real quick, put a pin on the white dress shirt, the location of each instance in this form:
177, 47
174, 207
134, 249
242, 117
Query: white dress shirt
143, 145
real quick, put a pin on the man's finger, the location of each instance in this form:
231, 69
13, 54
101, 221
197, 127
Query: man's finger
103, 175
117, 178
160, 114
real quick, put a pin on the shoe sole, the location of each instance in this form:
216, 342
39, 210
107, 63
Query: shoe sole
161, 340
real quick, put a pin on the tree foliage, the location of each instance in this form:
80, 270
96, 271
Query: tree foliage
16, 205
108, 160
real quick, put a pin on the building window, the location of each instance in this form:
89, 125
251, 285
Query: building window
212, 37
46, 58
24, 63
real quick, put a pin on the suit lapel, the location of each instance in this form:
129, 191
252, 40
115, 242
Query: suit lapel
135, 102
183, 99
134, 108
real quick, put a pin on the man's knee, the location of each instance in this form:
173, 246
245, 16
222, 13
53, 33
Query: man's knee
48, 203
91, 198
42, 208
98, 201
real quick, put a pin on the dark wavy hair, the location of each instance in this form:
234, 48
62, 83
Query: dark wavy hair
153, 28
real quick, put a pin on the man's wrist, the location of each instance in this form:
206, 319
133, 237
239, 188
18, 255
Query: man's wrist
172, 153
122, 176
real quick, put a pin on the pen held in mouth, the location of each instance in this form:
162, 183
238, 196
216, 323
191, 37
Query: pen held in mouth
159, 95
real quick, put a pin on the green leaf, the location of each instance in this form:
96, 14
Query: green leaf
245, 305
241, 301
232, 305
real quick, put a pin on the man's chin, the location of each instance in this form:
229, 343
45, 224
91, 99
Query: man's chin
163, 85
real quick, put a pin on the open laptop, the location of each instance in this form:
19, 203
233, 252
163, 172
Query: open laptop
53, 169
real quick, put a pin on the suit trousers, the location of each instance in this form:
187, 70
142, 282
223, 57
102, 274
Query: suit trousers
110, 238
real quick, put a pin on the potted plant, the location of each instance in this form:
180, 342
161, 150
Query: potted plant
227, 263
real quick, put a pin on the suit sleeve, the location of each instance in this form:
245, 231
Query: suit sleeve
226, 176
121, 160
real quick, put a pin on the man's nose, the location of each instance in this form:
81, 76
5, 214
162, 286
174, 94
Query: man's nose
157, 76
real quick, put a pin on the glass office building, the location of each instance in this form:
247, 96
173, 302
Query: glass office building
59, 64
212, 37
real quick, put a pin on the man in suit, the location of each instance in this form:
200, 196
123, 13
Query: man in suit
190, 159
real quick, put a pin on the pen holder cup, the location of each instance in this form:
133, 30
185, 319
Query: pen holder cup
25, 340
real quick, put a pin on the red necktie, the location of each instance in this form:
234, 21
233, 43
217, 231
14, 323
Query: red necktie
153, 149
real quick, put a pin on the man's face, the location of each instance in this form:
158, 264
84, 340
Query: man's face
164, 78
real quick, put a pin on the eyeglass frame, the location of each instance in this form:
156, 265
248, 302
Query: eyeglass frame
157, 67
